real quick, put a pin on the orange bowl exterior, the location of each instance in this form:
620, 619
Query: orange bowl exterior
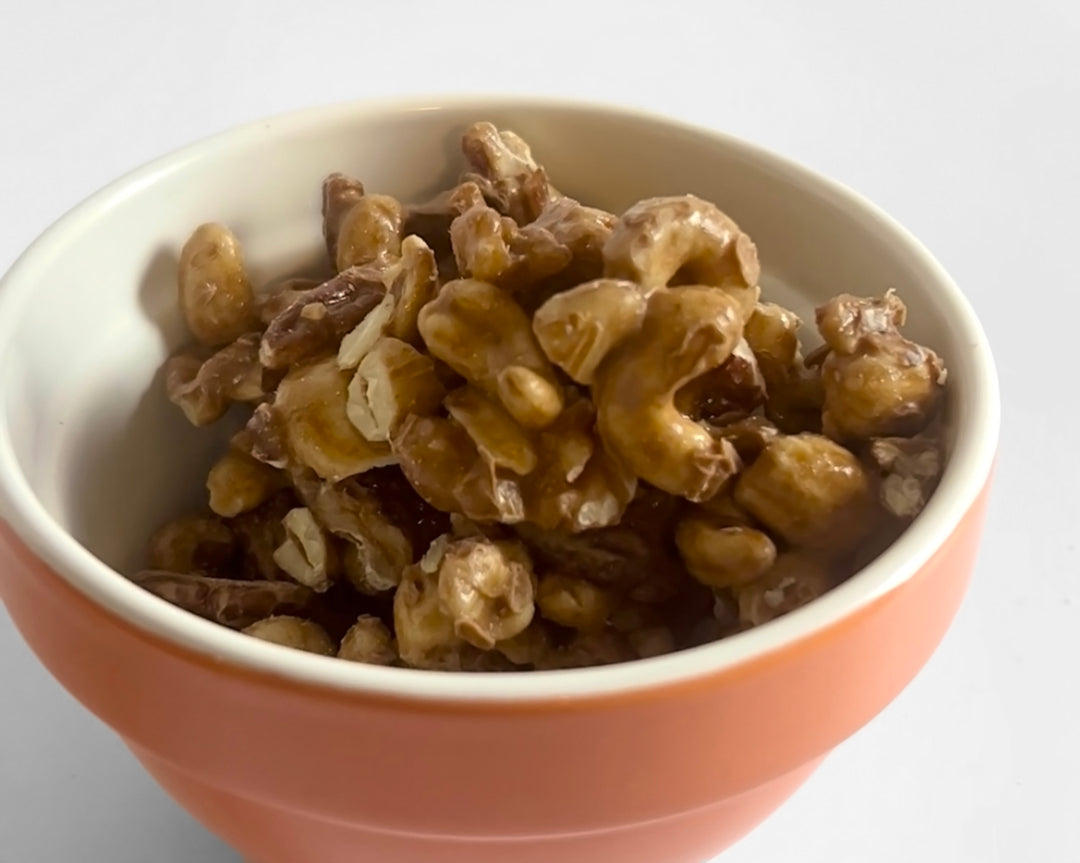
288, 772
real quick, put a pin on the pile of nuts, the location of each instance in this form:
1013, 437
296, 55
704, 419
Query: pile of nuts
511, 431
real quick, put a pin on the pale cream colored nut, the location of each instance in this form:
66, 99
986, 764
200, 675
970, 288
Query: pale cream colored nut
340, 193
794, 394
654, 641
370, 232
877, 383
431, 219
809, 491
216, 297
359, 341
425, 632
376, 549
279, 295
795, 579
687, 239
294, 632
506, 172
238, 483
311, 406
227, 601
486, 589
413, 282
306, 554
723, 556
368, 640
194, 544
730, 392
318, 324
204, 389
686, 332
578, 328
910, 469
498, 438
480, 332
393, 380
573, 602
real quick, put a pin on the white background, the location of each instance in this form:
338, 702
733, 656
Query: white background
961, 119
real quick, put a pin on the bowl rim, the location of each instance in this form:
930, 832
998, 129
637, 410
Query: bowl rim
967, 473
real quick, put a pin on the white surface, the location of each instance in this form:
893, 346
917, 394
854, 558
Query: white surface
961, 124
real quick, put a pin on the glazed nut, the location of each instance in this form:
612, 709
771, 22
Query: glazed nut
306, 554
359, 341
204, 389
583, 230
723, 556
728, 393
294, 632
393, 380
259, 532
486, 589
278, 296
340, 193
653, 641
413, 282
506, 172
368, 640
573, 602
216, 297
370, 232
193, 545
425, 632
491, 247
809, 491
238, 483
794, 580
501, 442
227, 601
794, 394
431, 220
909, 469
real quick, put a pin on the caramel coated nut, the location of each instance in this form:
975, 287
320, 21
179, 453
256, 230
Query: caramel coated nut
215, 295
340, 193
368, 640
226, 601
583, 230
794, 393
573, 602
506, 172
498, 438
723, 556
204, 389
431, 219
294, 632
413, 282
730, 392
393, 380
370, 232
238, 483
425, 632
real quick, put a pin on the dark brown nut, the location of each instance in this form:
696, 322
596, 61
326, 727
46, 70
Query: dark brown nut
340, 193
794, 392
278, 296
413, 282
492, 248
723, 511
431, 220
204, 389
506, 173
227, 601
264, 437
377, 549
215, 295
486, 589
749, 436
358, 342
728, 393
723, 556
687, 332
480, 332
259, 533
238, 482
370, 232
294, 632
501, 442
317, 325
529, 646
311, 405
809, 491
586, 649
909, 470
683, 240
573, 602
578, 328
654, 641
877, 383
368, 640
393, 380
795, 579
194, 544
306, 554
583, 230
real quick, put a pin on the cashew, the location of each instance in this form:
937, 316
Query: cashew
573, 602
793, 389
498, 438
723, 556
368, 640
686, 332
215, 295
413, 282
294, 632
238, 483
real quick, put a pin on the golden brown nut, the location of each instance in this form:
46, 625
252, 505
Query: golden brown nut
686, 332
573, 602
654, 641
306, 554
501, 442
227, 601
203, 390
578, 328
238, 483
794, 580
486, 589
413, 283
749, 436
340, 193
528, 647
393, 380
195, 545
794, 394
909, 469
730, 392
583, 230
877, 383
480, 332
506, 173
431, 219
686, 240
279, 295
259, 533
425, 632
294, 632
318, 324
311, 406
368, 640
723, 556
809, 491
215, 295
370, 232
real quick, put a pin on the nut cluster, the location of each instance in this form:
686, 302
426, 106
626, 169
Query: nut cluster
511, 431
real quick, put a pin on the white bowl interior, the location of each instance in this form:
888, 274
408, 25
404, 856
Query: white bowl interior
88, 443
